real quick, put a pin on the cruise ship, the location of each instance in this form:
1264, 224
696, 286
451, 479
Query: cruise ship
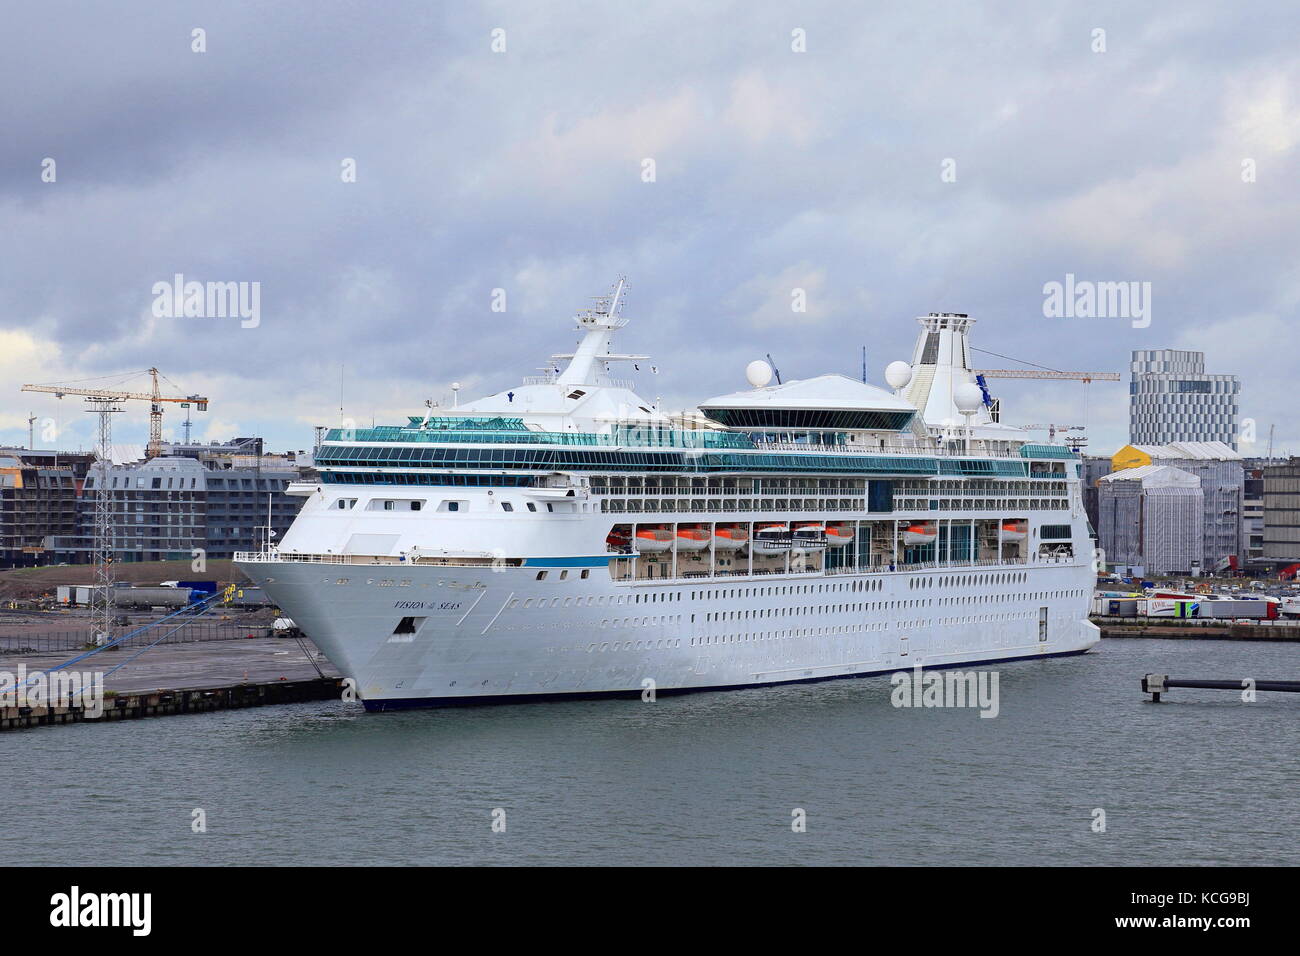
567, 537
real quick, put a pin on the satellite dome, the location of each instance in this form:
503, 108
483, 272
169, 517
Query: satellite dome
898, 374
759, 373
967, 397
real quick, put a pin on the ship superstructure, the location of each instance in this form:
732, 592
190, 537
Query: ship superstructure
565, 536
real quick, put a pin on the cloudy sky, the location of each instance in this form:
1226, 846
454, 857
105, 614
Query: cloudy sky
914, 157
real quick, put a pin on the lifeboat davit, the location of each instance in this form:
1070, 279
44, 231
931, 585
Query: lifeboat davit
809, 535
692, 539
920, 533
730, 537
772, 537
652, 538
839, 533
1014, 531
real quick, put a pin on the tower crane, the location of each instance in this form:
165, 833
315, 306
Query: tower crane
107, 395
1048, 373
1039, 372
103, 402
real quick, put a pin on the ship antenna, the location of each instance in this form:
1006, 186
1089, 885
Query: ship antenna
615, 301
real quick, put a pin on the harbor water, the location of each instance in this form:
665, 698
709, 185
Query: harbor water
709, 778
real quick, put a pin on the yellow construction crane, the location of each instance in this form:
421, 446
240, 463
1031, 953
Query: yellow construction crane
1039, 372
154, 397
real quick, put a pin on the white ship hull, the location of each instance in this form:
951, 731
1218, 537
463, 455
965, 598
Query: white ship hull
501, 633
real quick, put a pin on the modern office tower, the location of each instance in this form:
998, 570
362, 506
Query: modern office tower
1173, 399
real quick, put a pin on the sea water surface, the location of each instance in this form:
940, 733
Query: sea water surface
708, 778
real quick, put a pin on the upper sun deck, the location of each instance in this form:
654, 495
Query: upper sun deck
499, 430
581, 419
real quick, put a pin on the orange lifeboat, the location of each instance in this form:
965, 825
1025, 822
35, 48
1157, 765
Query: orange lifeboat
619, 538
650, 538
729, 537
1014, 531
692, 538
839, 533
920, 532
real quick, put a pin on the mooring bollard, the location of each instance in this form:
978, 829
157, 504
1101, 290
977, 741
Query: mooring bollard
1153, 684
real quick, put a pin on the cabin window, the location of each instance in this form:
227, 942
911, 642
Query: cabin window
408, 625
415, 505
531, 506
507, 506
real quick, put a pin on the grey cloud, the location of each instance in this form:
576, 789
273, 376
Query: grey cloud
521, 171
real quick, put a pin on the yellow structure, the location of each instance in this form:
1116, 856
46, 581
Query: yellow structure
1128, 457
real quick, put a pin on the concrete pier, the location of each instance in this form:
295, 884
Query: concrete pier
162, 703
1202, 630
185, 679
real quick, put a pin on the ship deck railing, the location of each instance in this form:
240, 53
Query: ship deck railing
425, 560
954, 449
401, 560
956, 564
1032, 490
618, 506
730, 492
